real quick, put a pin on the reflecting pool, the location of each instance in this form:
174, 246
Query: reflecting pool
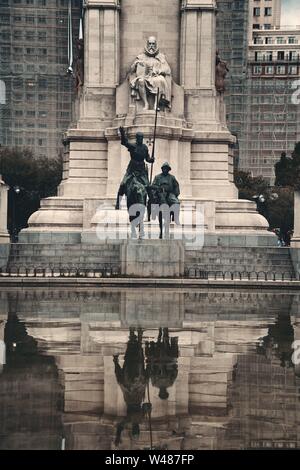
145, 368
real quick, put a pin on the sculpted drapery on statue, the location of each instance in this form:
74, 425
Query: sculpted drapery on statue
221, 73
149, 73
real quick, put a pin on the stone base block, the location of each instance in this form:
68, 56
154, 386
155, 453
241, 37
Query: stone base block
295, 255
4, 237
4, 254
44, 237
152, 258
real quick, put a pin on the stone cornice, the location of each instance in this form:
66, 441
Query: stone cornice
103, 4
188, 5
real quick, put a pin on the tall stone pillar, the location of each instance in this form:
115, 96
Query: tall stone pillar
211, 163
296, 237
85, 169
197, 61
4, 237
295, 245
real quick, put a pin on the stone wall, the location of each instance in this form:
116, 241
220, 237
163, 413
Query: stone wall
142, 19
4, 254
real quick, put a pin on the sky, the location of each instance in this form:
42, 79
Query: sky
290, 12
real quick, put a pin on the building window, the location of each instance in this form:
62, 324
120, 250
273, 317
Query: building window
269, 56
293, 55
280, 55
293, 70
269, 40
256, 26
268, 11
280, 70
256, 11
281, 40
257, 69
258, 56
267, 26
292, 40
269, 70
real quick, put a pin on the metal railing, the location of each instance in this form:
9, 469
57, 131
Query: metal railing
104, 271
113, 270
194, 272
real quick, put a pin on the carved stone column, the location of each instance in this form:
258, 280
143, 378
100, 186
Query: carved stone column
85, 169
197, 61
102, 63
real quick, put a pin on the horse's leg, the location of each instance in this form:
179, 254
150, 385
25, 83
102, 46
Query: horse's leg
133, 234
160, 225
142, 224
167, 226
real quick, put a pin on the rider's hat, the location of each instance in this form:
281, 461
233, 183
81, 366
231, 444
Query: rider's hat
166, 165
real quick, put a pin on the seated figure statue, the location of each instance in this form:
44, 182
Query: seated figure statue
149, 73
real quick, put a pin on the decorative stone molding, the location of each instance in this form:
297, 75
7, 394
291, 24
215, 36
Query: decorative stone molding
103, 4
198, 5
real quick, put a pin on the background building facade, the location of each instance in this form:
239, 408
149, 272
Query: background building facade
232, 42
273, 125
264, 14
33, 66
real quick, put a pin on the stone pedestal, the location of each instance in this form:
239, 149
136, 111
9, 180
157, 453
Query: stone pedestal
296, 237
193, 136
152, 258
4, 236
295, 244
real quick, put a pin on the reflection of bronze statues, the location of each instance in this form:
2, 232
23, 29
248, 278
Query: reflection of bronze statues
132, 379
149, 73
79, 65
221, 73
162, 363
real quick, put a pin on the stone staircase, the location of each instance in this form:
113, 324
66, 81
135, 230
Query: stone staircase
64, 256
239, 260
198, 262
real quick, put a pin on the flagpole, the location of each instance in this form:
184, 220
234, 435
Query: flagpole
70, 38
153, 152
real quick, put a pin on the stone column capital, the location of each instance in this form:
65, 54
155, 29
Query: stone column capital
198, 5
103, 4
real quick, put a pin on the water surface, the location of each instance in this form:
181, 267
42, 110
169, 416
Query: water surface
138, 368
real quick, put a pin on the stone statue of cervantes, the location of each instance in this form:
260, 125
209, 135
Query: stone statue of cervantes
149, 73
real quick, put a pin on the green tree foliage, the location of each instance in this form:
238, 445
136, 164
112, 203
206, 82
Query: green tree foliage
278, 205
250, 186
36, 178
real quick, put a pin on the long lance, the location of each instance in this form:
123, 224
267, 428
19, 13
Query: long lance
154, 136
153, 153
150, 419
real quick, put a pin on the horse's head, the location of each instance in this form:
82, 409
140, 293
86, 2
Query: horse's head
137, 193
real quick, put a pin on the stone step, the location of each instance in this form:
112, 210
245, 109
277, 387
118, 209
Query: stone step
93, 257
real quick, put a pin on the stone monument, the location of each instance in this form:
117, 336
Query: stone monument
132, 48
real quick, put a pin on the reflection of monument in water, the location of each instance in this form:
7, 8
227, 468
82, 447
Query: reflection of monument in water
192, 133
221, 395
